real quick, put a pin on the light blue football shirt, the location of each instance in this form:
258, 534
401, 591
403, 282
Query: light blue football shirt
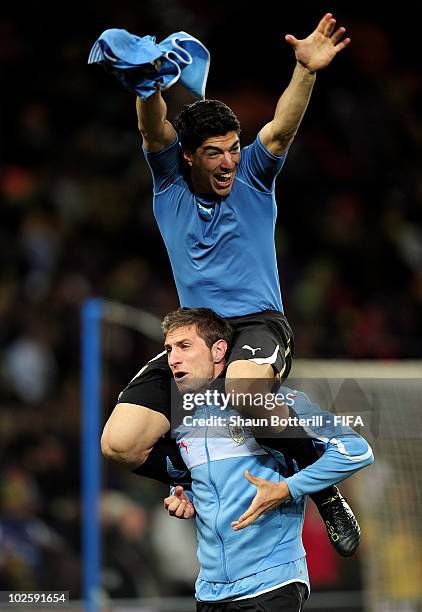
221, 249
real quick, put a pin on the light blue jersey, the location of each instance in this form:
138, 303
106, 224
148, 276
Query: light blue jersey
221, 249
269, 553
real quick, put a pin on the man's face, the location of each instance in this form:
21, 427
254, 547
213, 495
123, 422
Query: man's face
214, 164
191, 361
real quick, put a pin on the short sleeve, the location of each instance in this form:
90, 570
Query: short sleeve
164, 166
259, 167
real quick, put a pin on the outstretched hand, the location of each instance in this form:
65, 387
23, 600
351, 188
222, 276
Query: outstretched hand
319, 48
268, 496
179, 504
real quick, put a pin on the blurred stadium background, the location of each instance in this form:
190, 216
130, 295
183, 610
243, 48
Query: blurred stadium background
77, 222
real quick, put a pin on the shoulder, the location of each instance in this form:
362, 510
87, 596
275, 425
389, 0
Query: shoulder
164, 165
258, 167
258, 149
170, 149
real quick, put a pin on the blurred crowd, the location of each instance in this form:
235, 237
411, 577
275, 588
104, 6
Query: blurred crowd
77, 222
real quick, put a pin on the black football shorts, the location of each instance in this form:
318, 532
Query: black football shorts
264, 338
288, 598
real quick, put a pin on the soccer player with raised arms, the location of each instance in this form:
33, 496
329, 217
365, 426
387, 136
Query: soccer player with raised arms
215, 207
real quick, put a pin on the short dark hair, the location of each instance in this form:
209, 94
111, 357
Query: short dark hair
198, 121
209, 326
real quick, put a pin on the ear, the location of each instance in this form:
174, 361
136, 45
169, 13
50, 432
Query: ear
219, 350
187, 156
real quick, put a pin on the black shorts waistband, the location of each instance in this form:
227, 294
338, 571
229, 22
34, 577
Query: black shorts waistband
262, 314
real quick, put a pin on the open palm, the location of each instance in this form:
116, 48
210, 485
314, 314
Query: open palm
319, 48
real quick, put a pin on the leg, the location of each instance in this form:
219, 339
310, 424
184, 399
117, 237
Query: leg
141, 416
165, 464
261, 352
270, 337
136, 433
131, 432
340, 522
246, 379
342, 527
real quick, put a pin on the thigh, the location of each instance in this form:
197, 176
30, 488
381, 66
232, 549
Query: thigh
142, 413
132, 429
263, 340
150, 387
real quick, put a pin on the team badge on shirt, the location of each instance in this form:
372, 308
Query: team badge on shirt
237, 434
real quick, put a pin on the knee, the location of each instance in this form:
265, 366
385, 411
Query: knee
120, 448
110, 447
130, 433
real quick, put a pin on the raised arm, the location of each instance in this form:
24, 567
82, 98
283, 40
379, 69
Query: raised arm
156, 130
312, 54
